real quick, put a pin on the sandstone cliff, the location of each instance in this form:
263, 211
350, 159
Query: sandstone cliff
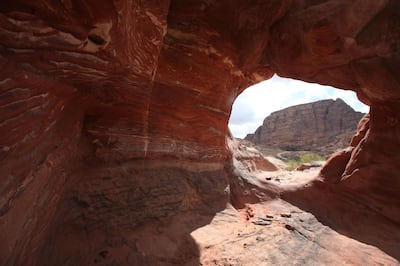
310, 126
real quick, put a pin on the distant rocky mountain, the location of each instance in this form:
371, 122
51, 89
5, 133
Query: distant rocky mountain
324, 125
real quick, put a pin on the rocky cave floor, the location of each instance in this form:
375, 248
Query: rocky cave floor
274, 217
278, 233
275, 232
269, 232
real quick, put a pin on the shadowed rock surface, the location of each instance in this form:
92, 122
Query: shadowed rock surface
311, 126
113, 118
291, 237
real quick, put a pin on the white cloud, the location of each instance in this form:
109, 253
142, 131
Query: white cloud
258, 101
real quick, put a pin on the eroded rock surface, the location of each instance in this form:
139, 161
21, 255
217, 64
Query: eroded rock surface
311, 126
108, 107
235, 238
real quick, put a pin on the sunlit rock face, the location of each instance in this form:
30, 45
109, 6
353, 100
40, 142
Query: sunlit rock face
110, 107
312, 126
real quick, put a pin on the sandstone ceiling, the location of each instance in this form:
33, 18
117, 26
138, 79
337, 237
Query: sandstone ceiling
109, 108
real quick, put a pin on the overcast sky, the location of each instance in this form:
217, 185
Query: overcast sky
258, 101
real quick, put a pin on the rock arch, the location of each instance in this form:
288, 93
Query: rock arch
150, 95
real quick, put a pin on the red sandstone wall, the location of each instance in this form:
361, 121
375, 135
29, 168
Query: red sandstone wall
91, 91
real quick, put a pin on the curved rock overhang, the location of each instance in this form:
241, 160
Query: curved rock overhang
109, 107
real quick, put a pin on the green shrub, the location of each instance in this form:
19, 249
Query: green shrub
292, 164
309, 157
303, 158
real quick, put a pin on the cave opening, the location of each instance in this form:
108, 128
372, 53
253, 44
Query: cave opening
296, 121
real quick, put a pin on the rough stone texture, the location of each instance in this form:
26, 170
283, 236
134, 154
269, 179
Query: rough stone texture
238, 238
310, 126
246, 163
256, 194
99, 97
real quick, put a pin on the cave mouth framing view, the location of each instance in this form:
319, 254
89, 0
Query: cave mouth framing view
115, 147
287, 119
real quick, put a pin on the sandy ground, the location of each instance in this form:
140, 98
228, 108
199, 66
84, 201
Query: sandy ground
289, 179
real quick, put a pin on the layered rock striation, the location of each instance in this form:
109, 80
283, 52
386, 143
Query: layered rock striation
310, 126
114, 115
